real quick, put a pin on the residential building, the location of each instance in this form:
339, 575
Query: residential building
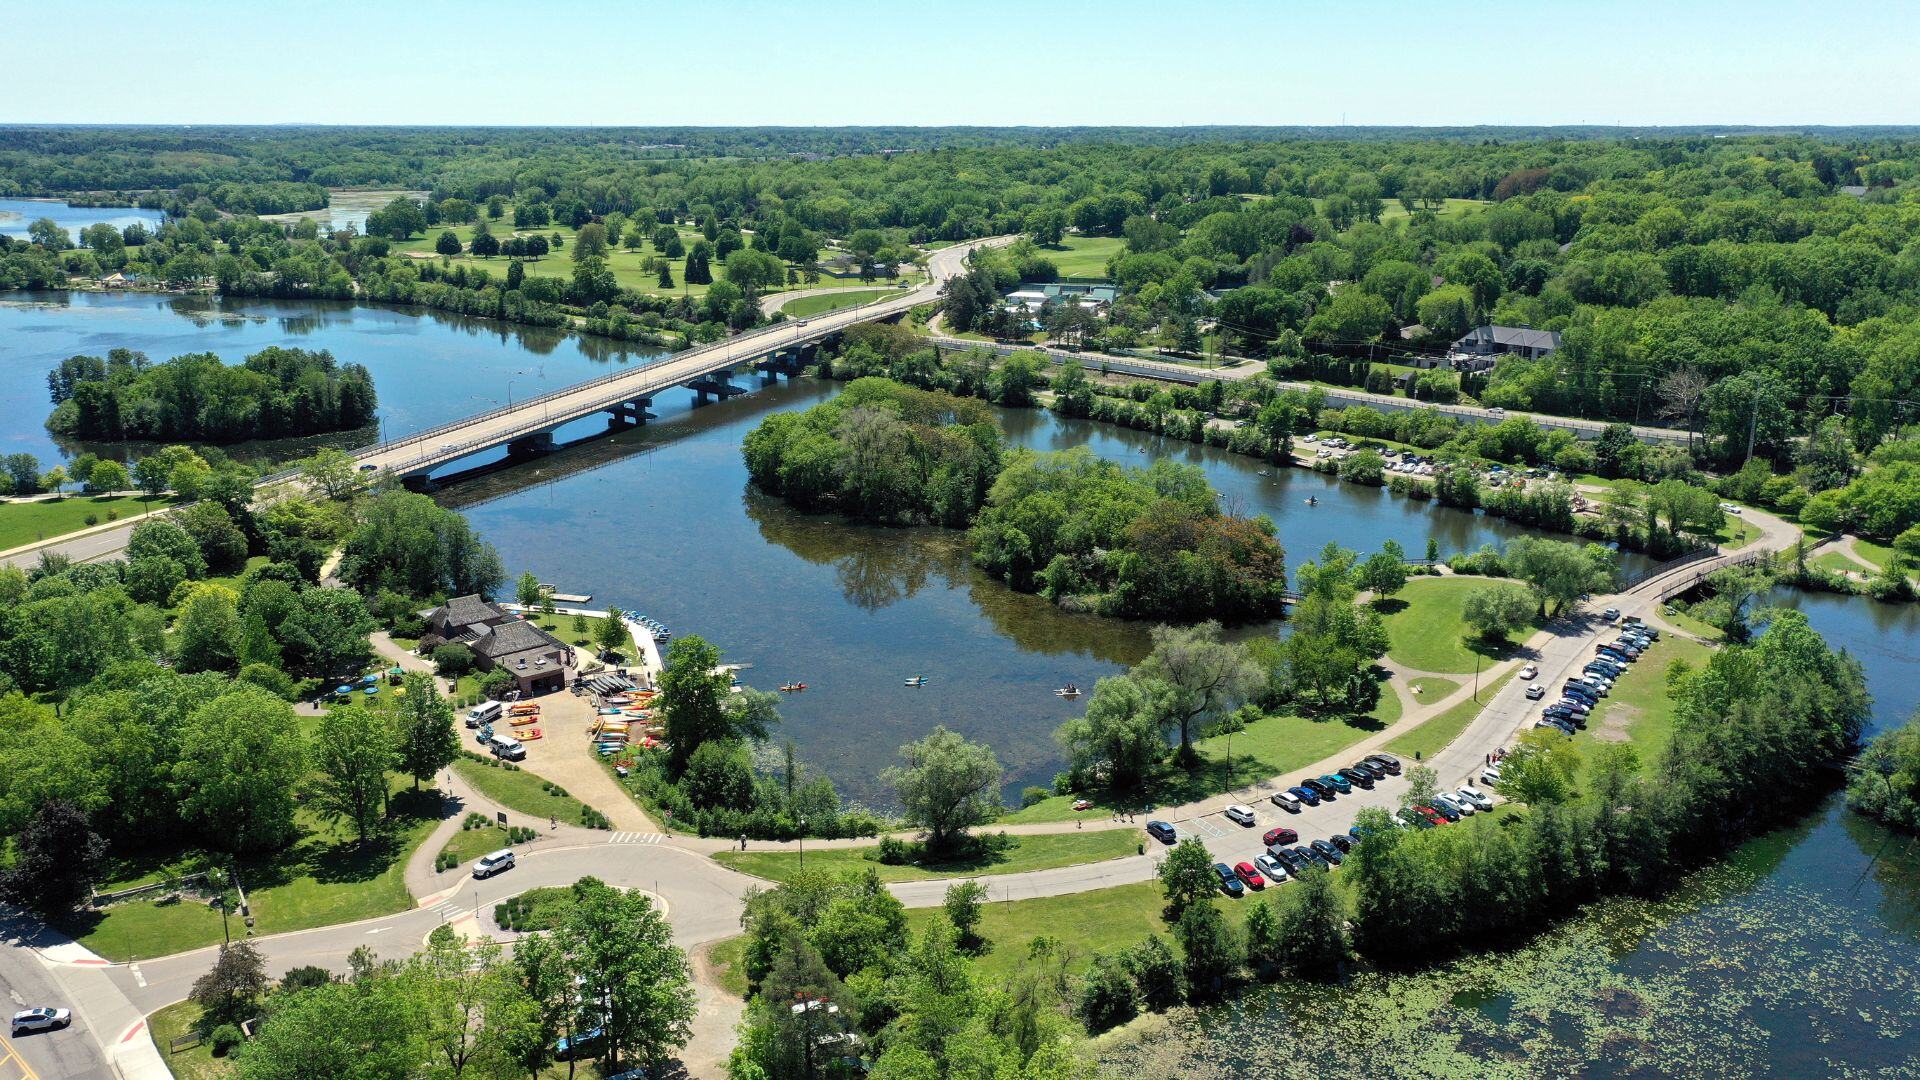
1475, 351
538, 661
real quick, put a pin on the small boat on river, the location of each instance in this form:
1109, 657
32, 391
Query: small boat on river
1069, 691
917, 680
793, 687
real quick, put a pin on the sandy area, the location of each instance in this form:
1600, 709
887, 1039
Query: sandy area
564, 754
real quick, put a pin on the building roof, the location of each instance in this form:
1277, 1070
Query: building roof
512, 637
1512, 337
1856, 190
467, 610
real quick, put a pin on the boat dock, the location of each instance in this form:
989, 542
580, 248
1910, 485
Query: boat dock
565, 597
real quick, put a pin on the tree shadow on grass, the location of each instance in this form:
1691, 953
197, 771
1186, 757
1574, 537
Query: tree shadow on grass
1389, 605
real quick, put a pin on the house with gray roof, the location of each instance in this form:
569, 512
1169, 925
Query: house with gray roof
1476, 350
538, 661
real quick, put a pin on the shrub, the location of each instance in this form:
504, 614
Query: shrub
496, 684
224, 1038
454, 660
1034, 794
895, 851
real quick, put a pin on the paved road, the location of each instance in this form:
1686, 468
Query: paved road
77, 1051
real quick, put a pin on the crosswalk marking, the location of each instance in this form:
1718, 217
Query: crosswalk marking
449, 911
635, 838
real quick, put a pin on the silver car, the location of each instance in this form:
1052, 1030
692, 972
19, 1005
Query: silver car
1457, 805
1478, 798
1271, 867
42, 1019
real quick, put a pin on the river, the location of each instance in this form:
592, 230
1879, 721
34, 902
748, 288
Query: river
1799, 956
17, 214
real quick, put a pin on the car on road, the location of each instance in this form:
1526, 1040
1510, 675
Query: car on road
1475, 796
1272, 867
1339, 783
1229, 881
1326, 851
1249, 876
1356, 778
1305, 794
1374, 772
1387, 762
1285, 800
1282, 836
493, 862
1610, 614
41, 1019
1729, 508
1530, 672
1240, 814
1162, 832
1535, 692
369, 468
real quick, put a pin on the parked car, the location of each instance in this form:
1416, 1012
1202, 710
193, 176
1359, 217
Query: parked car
1387, 762
1285, 800
1339, 783
1162, 832
1593, 688
1475, 796
1535, 692
1560, 726
1292, 860
1282, 836
492, 863
1240, 814
41, 1019
1326, 850
1272, 867
1440, 807
1610, 614
1418, 820
1305, 794
1229, 881
1344, 841
1313, 856
1356, 778
1530, 672
1369, 770
583, 1046
1444, 800
1320, 787
1490, 774
1249, 876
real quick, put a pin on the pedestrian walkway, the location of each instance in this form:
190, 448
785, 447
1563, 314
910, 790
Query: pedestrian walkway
636, 838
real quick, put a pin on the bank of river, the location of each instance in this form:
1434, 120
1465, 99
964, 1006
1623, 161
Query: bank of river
1799, 956
17, 214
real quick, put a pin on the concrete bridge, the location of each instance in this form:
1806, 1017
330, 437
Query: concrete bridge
526, 428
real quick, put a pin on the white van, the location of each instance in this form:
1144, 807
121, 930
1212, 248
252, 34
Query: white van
507, 748
484, 713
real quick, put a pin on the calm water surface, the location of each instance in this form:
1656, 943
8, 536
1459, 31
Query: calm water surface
17, 214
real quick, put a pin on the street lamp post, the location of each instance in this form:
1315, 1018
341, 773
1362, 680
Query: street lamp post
803, 843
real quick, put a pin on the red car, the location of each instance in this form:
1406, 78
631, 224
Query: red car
1431, 814
1251, 877
1283, 837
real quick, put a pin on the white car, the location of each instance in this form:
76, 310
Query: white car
1530, 672
1458, 806
1491, 775
493, 863
1285, 800
1271, 867
1536, 692
1474, 795
42, 1019
1729, 508
1240, 814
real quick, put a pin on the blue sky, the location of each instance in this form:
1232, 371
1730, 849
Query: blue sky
829, 62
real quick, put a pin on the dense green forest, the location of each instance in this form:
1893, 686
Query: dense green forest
275, 393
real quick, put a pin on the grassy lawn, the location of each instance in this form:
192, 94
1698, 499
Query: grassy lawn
197, 1063
727, 958
1270, 746
519, 791
1638, 711
535, 909
32, 522
325, 878
469, 844
1452, 208
1039, 852
1388, 711
814, 305
1084, 258
1431, 688
1429, 736
1836, 562
625, 263
1426, 631
1877, 554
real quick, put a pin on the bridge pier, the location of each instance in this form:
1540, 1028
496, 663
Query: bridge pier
713, 386
419, 483
788, 362
540, 442
630, 414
